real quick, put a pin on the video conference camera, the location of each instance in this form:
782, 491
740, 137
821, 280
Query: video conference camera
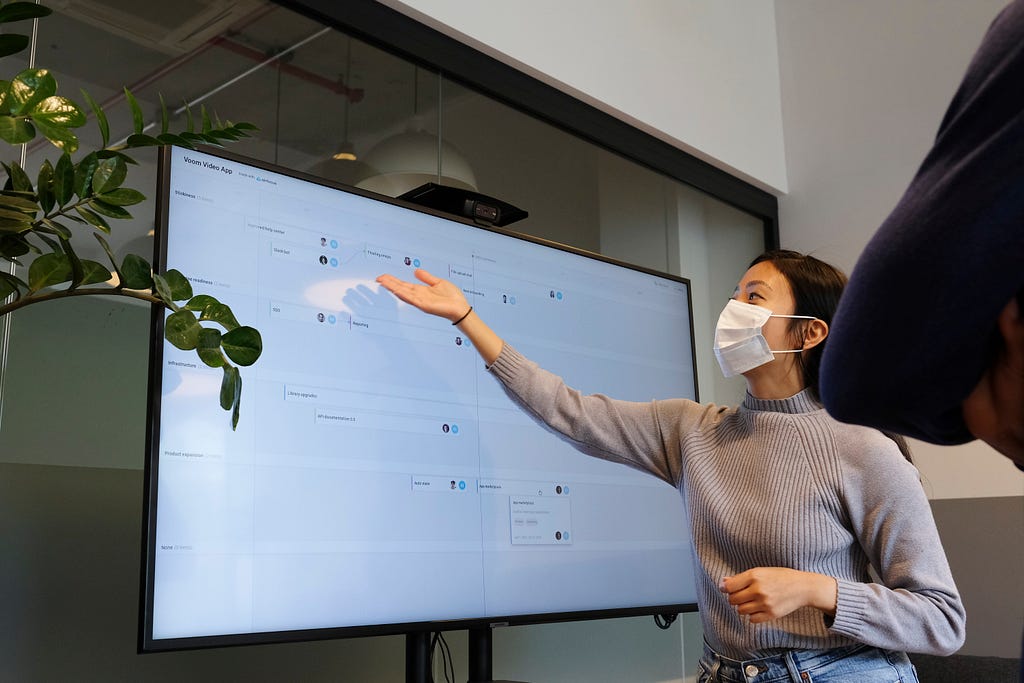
477, 207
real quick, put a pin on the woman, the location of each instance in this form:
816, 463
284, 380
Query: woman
788, 507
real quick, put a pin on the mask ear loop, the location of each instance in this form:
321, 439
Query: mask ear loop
803, 341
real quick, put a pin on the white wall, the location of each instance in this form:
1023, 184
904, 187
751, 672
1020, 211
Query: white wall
701, 75
864, 86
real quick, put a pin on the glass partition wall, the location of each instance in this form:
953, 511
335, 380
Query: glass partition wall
342, 108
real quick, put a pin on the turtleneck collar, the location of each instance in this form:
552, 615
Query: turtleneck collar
802, 402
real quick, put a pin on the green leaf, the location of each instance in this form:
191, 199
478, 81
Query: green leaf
182, 330
15, 131
12, 43
13, 246
20, 182
163, 290
243, 345
19, 11
140, 140
208, 347
77, 274
15, 215
238, 400
93, 219
109, 175
14, 281
6, 287
101, 117
200, 302
136, 273
18, 202
52, 244
54, 228
246, 126
205, 115
62, 138
11, 225
110, 255
48, 269
109, 210
94, 273
84, 171
28, 89
64, 180
58, 111
180, 287
110, 153
190, 124
221, 314
163, 115
228, 387
137, 119
172, 139
122, 196
44, 186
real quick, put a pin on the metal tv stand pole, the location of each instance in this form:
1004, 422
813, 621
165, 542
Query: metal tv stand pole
480, 649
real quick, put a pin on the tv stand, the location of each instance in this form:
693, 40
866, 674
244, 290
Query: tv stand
481, 643
417, 656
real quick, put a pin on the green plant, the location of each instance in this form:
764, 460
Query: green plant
42, 217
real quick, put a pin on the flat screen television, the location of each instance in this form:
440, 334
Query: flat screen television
380, 481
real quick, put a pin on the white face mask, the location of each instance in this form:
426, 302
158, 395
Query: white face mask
739, 343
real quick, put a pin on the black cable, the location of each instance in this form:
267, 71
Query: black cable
447, 661
664, 621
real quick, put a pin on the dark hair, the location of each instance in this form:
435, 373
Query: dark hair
816, 287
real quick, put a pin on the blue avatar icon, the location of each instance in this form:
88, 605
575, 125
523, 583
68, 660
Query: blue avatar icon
416, 262
334, 244
334, 262
559, 296
331, 319
462, 486
455, 429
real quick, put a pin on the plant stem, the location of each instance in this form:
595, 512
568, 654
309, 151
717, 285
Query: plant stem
64, 293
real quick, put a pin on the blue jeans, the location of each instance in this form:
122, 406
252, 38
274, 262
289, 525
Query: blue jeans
853, 664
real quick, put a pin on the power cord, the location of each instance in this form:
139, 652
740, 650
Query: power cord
664, 621
447, 662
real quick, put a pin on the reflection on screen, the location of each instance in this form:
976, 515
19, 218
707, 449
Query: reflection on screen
379, 475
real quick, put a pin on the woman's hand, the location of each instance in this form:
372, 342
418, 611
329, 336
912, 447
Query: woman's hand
767, 593
442, 298
437, 297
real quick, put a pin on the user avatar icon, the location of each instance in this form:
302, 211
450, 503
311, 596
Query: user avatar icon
445, 428
558, 490
320, 317
558, 535
323, 241
504, 298
453, 484
551, 294
408, 261
323, 259
458, 341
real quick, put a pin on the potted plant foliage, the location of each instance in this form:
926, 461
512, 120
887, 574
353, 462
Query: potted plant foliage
41, 211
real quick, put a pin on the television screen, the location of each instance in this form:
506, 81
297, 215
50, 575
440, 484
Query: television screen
379, 480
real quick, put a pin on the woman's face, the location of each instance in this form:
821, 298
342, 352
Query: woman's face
763, 285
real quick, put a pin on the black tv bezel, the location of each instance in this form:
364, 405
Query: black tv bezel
146, 643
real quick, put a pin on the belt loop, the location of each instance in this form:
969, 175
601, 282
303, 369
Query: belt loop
791, 666
714, 669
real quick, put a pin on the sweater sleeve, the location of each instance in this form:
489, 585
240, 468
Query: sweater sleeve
646, 436
916, 606
915, 328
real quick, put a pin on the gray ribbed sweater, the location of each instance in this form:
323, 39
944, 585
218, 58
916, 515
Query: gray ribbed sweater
775, 483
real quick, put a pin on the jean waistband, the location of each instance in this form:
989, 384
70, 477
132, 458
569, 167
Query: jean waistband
781, 667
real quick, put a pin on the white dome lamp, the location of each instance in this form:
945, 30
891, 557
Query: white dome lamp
412, 158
